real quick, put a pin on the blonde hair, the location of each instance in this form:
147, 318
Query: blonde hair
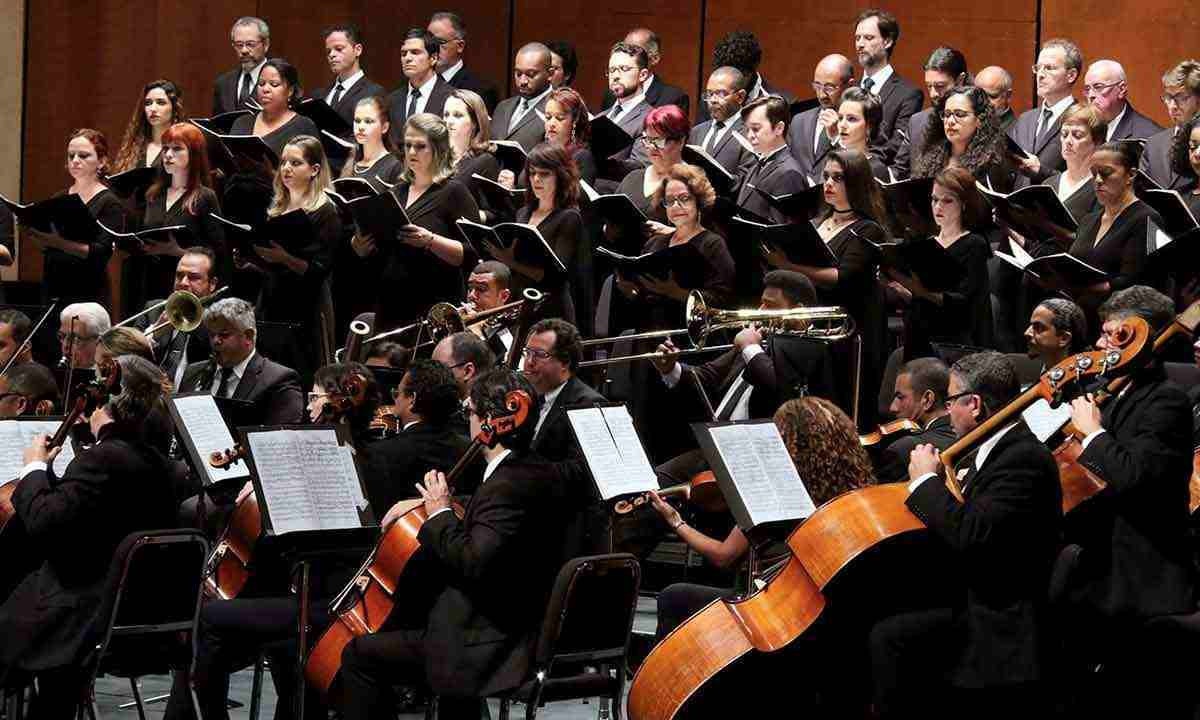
313, 154
697, 184
478, 112
438, 135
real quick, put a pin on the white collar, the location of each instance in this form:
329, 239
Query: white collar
239, 370
773, 153
879, 78
409, 424
427, 87
549, 398
348, 82
253, 73
1112, 125
990, 443
449, 73
629, 103
532, 102
494, 463
1059, 107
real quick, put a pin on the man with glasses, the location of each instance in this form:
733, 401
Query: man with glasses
1058, 67
520, 118
1105, 88
234, 90
989, 647
775, 170
814, 131
1181, 95
628, 72
658, 93
997, 83
724, 95
450, 29
28, 389
467, 357
79, 329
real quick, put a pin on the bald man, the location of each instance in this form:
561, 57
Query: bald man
812, 132
724, 96
997, 83
658, 93
519, 118
1105, 87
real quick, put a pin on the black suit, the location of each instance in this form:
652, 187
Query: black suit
787, 368
800, 141
1133, 124
171, 347
911, 148
499, 562
225, 92
657, 95
554, 440
398, 106
1003, 540
529, 131
393, 466
901, 100
464, 79
1047, 146
893, 461
273, 389
363, 88
767, 89
778, 175
732, 155
1156, 161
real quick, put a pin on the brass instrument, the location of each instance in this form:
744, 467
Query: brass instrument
444, 319
828, 323
354, 342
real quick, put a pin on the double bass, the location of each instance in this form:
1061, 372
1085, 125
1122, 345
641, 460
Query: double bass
364, 604
824, 546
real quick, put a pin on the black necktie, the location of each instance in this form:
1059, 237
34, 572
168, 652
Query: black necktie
616, 110
867, 84
712, 141
337, 94
223, 387
1047, 114
244, 92
173, 354
412, 103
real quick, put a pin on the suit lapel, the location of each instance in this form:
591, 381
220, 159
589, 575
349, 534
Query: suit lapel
533, 112
736, 126
249, 379
886, 91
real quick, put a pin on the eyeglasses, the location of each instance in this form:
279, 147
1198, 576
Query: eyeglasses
678, 200
1046, 68
657, 143
62, 337
536, 354
313, 397
1099, 88
957, 396
620, 69
959, 115
714, 95
827, 88
246, 45
1178, 98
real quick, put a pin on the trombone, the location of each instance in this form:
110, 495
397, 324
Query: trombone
444, 319
183, 310
827, 323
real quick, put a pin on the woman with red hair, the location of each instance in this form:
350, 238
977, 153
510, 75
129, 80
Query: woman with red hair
569, 127
664, 134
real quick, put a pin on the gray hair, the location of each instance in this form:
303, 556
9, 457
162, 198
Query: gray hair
235, 311
92, 316
1139, 301
456, 22
250, 21
1066, 317
1070, 50
991, 376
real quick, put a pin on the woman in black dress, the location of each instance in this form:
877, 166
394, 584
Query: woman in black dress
181, 196
964, 132
553, 208
664, 133
76, 258
963, 313
160, 108
1185, 161
375, 158
569, 127
424, 262
1082, 131
467, 119
853, 215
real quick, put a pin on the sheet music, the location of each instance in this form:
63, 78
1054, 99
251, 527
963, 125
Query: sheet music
1044, 420
203, 423
613, 451
763, 472
303, 479
353, 486
16, 435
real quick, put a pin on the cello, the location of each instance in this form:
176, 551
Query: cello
364, 604
778, 612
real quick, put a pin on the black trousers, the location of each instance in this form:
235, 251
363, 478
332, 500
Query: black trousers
680, 601
372, 665
60, 693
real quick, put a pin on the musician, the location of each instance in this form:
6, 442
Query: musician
564, 63
813, 132
859, 115
1105, 88
160, 108
28, 389
552, 356
477, 640
75, 262
237, 370
997, 83
422, 264
657, 92
962, 315
122, 341
945, 68
424, 90
78, 341
251, 38
968, 137
51, 621
467, 357
724, 95
489, 287
426, 403
568, 126
1181, 96
875, 35
988, 649
853, 215
1185, 162
1057, 330
1059, 65
15, 329
776, 171
920, 395
740, 49
195, 273
336, 380
277, 124
350, 85
467, 119
519, 118
451, 31
387, 355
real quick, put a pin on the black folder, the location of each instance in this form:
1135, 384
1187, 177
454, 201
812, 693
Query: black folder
684, 260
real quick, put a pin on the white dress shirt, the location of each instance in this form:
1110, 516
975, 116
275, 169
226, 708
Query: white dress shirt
449, 73
487, 473
346, 85
238, 371
547, 403
879, 78
426, 90
253, 81
1112, 125
1056, 111
980, 456
628, 104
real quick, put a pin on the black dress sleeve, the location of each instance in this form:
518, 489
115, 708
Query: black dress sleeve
719, 274
110, 211
328, 231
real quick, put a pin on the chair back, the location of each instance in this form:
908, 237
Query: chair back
591, 610
154, 582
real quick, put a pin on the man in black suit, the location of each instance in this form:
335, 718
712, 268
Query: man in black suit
657, 92
450, 29
920, 396
875, 35
724, 95
1136, 552
343, 50
467, 356
489, 287
1181, 95
425, 402
499, 563
814, 131
521, 118
238, 371
114, 488
28, 388
988, 646
628, 71
251, 38
15, 328
775, 170
424, 89
946, 68
1059, 65
196, 273
1105, 87
997, 83
740, 49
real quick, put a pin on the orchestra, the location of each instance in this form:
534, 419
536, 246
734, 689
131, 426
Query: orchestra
964, 328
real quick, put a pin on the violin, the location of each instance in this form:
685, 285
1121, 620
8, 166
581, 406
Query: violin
886, 430
385, 423
228, 568
363, 605
700, 490
344, 399
1194, 483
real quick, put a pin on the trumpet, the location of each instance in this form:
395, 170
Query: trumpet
828, 323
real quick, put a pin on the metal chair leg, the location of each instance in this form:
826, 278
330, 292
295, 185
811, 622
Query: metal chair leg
137, 698
431, 709
256, 688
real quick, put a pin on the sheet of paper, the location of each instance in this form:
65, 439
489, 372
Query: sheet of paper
329, 478
16, 435
203, 423
303, 480
613, 451
1044, 420
763, 472
350, 471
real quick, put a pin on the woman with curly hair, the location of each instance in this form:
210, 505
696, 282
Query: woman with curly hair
969, 136
161, 107
1185, 161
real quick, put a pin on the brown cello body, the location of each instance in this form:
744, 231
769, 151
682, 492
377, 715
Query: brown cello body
363, 606
775, 616
228, 569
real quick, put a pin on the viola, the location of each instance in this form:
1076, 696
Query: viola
886, 430
700, 490
385, 423
363, 605
228, 568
